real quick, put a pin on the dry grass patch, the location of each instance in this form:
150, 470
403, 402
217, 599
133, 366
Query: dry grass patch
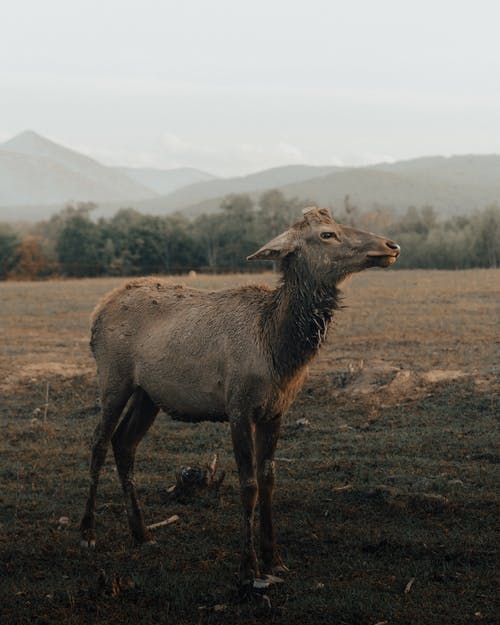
386, 503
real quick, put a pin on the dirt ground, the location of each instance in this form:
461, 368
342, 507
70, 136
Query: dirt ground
386, 504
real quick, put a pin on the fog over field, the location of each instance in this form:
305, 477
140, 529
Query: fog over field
233, 88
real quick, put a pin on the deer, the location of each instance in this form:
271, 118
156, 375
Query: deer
239, 355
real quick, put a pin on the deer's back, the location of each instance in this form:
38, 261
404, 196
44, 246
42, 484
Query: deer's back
190, 349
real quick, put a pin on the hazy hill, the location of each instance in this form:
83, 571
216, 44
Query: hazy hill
482, 170
451, 185
165, 181
26, 179
37, 171
220, 187
38, 177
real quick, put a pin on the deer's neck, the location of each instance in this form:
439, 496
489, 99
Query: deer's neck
297, 321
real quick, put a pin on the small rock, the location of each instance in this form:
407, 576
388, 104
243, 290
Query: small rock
302, 423
344, 427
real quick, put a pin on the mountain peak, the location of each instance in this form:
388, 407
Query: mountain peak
61, 173
24, 136
28, 133
34, 144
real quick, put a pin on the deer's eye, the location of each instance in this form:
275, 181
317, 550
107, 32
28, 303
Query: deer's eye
330, 235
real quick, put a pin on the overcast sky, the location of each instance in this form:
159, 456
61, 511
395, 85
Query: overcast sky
233, 87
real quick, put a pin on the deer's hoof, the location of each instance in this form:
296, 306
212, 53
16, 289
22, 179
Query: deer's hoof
87, 543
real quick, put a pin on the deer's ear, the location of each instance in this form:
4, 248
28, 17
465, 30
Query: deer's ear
279, 247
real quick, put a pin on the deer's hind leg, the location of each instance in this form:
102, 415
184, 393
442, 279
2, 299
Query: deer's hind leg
125, 440
114, 399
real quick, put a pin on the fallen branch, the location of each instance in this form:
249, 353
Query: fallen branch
338, 489
168, 521
409, 585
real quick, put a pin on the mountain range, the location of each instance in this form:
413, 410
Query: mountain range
38, 177
165, 181
34, 170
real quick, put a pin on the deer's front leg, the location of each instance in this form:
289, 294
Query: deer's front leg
267, 434
242, 431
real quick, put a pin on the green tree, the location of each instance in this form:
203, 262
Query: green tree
49, 231
418, 220
276, 213
207, 233
237, 231
114, 235
181, 251
486, 232
78, 247
226, 238
147, 245
9, 241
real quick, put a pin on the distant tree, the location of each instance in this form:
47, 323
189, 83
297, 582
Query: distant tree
49, 231
182, 253
131, 243
457, 243
237, 205
237, 232
78, 247
486, 231
147, 246
9, 241
207, 232
379, 219
277, 212
226, 238
135, 244
418, 220
115, 242
51, 228
350, 213
428, 217
31, 262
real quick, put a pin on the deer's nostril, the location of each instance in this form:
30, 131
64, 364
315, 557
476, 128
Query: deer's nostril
393, 246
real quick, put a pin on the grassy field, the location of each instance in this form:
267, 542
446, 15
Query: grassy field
385, 504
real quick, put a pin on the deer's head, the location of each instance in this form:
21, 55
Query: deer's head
329, 251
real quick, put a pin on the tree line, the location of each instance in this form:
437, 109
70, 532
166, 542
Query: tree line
72, 244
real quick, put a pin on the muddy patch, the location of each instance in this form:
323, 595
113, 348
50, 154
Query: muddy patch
382, 378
